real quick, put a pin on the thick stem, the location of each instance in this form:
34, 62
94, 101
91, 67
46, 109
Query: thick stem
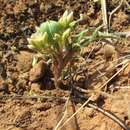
58, 65
57, 74
57, 70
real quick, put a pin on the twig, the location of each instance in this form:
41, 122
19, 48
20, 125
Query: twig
65, 112
76, 112
113, 117
86, 103
100, 92
123, 34
104, 14
106, 113
127, 4
30, 97
113, 11
113, 76
90, 53
120, 58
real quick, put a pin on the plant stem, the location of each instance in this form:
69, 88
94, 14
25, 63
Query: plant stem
59, 65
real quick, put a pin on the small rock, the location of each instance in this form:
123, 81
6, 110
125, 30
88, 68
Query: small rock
24, 61
108, 51
38, 71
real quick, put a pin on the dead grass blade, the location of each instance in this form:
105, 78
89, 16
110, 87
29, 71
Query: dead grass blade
111, 116
64, 114
113, 76
113, 11
75, 112
104, 14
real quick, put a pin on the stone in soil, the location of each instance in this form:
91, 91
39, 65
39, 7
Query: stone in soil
24, 61
38, 71
108, 51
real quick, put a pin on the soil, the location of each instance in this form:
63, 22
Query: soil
20, 82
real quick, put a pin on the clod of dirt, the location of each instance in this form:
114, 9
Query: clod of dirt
120, 21
36, 87
108, 51
24, 61
38, 71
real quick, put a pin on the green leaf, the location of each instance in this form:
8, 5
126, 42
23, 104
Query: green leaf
51, 27
65, 36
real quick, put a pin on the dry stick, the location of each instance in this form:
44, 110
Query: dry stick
75, 112
123, 34
118, 7
30, 97
120, 58
104, 14
127, 4
90, 52
90, 105
65, 112
123, 62
100, 92
113, 66
114, 118
113, 76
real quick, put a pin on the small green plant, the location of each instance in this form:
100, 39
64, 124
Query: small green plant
59, 41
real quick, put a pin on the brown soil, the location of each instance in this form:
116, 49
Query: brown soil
17, 22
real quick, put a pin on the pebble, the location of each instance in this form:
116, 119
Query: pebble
24, 61
38, 71
109, 51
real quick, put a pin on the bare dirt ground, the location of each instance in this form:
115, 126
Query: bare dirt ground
19, 82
